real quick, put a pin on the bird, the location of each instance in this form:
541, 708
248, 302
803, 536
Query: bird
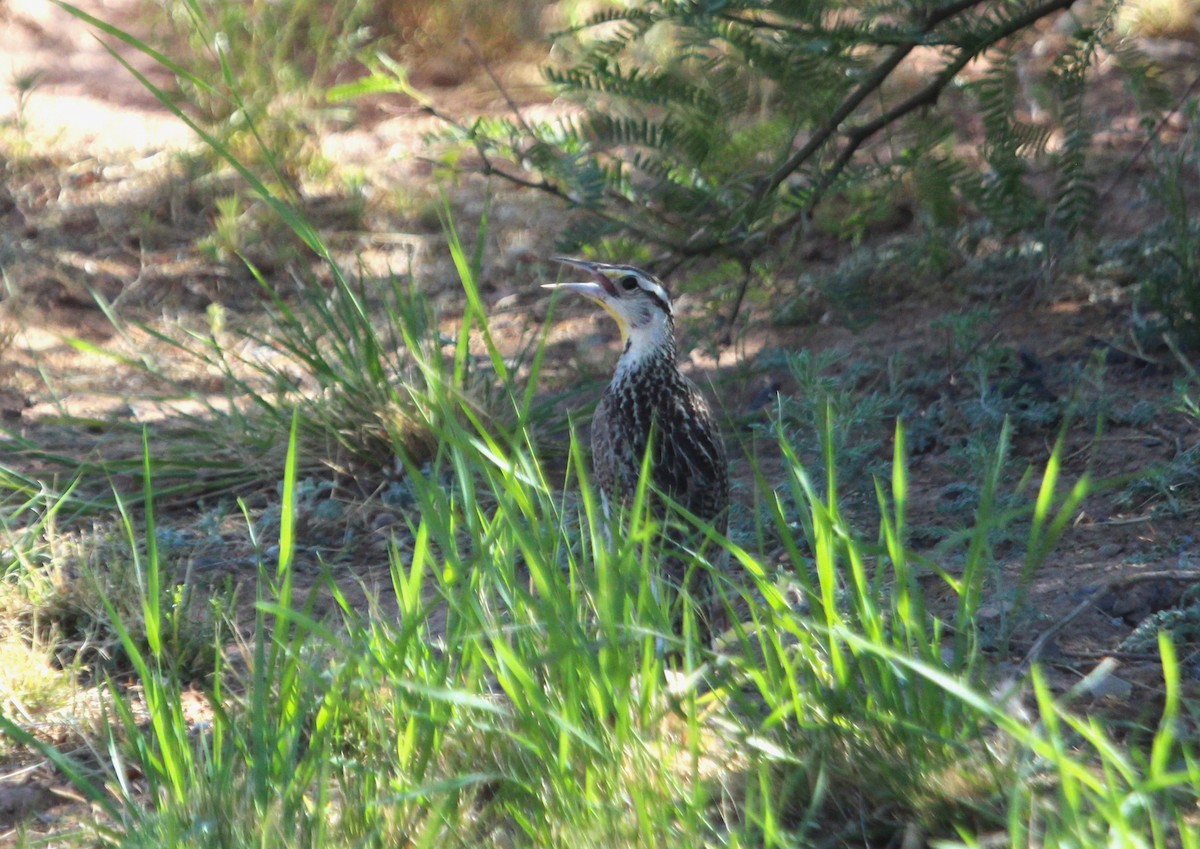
650, 403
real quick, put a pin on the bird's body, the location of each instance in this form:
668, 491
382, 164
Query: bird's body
651, 406
649, 402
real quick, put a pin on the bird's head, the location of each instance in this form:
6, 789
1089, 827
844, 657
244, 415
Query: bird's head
636, 299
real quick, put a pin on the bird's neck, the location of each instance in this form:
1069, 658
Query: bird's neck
651, 348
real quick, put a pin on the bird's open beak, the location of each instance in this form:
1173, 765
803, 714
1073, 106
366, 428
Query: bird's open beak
599, 288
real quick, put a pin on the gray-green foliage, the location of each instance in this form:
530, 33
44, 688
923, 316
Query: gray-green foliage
1171, 263
1171, 487
1181, 622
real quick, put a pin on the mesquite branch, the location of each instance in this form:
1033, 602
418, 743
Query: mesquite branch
853, 137
746, 214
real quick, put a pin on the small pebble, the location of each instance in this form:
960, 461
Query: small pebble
1112, 687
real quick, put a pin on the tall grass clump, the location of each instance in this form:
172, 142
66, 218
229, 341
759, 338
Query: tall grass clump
841, 727
361, 358
274, 61
869, 706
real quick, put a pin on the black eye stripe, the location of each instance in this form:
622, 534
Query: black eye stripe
631, 279
662, 305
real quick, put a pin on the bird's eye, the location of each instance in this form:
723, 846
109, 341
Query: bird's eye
629, 282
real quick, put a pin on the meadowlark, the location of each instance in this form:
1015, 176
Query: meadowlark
651, 406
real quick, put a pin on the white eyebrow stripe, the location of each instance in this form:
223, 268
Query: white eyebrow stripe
659, 292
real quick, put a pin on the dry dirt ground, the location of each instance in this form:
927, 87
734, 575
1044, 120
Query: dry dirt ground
93, 201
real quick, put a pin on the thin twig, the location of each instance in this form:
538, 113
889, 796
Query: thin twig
927, 96
737, 302
512, 104
1135, 656
489, 168
1173, 346
1108, 586
1158, 128
873, 81
856, 136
